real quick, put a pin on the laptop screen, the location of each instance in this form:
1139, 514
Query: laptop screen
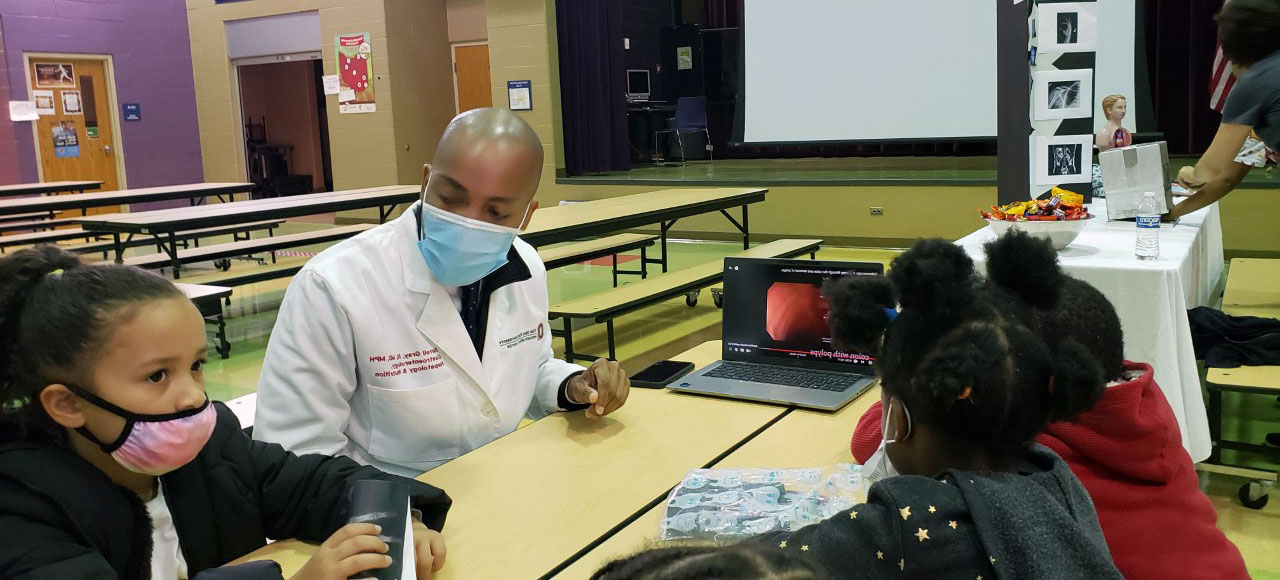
774, 312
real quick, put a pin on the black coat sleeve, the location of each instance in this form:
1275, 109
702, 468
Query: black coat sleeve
36, 544
305, 496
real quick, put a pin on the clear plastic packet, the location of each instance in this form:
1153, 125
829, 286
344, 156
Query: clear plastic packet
725, 505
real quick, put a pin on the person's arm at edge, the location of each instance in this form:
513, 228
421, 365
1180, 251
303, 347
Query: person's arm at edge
1217, 172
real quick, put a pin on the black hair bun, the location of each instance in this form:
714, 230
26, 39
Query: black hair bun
1025, 266
1078, 381
935, 276
857, 317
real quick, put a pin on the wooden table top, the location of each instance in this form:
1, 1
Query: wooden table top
47, 187
579, 220
801, 439
531, 500
122, 196
187, 218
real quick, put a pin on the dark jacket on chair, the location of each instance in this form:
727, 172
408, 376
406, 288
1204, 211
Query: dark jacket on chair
61, 517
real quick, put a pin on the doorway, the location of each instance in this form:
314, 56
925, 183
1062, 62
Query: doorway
286, 127
471, 84
76, 130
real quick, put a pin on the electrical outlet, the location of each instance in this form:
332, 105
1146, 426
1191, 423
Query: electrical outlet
626, 44
877, 211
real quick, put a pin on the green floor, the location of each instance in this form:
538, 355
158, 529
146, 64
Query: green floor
840, 171
665, 330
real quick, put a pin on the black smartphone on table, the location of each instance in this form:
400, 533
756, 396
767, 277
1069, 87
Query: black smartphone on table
661, 374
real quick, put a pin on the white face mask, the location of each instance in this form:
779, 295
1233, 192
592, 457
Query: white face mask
879, 466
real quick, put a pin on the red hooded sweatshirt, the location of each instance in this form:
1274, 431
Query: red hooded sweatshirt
1127, 451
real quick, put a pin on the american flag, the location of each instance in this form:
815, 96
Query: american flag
1221, 81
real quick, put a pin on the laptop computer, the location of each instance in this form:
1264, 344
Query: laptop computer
777, 348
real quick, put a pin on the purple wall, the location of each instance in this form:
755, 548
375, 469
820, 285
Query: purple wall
151, 50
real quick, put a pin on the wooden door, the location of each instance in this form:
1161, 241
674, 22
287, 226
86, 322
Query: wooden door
76, 141
471, 72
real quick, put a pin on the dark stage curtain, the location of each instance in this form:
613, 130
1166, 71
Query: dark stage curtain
593, 86
723, 13
1181, 40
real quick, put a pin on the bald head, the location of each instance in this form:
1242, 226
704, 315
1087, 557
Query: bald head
493, 130
486, 167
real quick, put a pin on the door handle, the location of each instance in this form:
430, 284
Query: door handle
107, 149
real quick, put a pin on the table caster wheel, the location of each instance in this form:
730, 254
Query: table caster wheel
1253, 495
691, 299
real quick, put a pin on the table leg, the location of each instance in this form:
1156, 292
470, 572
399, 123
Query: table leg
742, 227
119, 247
172, 250
615, 270
568, 339
613, 352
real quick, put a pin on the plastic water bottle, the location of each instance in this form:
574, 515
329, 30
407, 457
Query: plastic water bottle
1148, 246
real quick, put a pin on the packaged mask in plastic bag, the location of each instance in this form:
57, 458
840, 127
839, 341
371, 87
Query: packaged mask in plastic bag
730, 504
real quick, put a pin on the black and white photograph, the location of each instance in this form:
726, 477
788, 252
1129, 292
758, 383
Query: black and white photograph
1067, 27
1062, 94
1063, 159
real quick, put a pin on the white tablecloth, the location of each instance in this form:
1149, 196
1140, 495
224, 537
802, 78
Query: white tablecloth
1152, 298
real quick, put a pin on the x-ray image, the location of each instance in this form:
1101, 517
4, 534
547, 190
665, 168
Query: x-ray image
1064, 159
1064, 95
1068, 27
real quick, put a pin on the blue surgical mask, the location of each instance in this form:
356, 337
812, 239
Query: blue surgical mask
460, 251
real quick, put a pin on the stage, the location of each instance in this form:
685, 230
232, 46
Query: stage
978, 171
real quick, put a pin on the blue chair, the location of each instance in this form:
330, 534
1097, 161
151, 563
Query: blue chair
691, 117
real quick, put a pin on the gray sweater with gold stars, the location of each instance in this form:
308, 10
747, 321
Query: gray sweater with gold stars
1036, 523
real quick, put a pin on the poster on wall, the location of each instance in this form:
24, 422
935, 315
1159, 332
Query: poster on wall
65, 141
55, 75
684, 58
71, 104
355, 73
44, 102
519, 97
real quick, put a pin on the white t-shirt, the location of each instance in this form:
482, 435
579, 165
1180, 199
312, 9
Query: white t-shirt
166, 555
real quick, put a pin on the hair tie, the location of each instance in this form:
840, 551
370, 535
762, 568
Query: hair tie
54, 274
965, 393
892, 313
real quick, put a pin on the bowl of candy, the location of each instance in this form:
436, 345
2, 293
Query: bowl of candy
1060, 219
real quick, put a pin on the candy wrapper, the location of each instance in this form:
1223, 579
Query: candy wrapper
726, 505
1063, 205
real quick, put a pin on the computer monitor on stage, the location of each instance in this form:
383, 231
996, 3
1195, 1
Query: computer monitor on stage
638, 85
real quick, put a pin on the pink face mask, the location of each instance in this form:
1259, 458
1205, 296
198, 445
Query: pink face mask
154, 444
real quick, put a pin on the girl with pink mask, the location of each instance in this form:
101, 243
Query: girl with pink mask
114, 463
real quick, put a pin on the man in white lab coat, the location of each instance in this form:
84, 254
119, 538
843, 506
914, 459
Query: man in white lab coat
427, 337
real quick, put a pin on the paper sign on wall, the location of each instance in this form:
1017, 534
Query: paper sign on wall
332, 85
71, 104
518, 96
43, 101
355, 73
684, 58
23, 111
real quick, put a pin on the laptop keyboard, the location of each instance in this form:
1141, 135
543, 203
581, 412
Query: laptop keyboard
803, 378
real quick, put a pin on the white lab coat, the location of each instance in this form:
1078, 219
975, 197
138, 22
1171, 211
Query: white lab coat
369, 358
